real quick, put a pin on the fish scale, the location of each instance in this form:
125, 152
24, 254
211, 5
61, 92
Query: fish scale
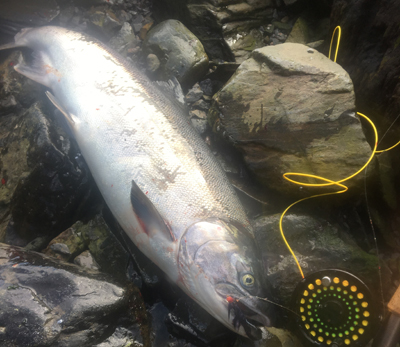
156, 174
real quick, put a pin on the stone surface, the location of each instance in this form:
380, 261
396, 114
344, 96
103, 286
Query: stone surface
370, 55
125, 40
44, 182
180, 53
318, 245
191, 321
49, 303
227, 29
289, 110
65, 246
86, 260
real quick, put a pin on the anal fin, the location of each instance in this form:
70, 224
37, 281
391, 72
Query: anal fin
150, 218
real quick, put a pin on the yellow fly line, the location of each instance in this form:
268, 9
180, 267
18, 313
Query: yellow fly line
326, 181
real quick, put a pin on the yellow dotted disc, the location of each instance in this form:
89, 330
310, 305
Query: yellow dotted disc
301, 309
303, 318
364, 304
347, 341
308, 327
336, 280
364, 322
345, 283
311, 286
360, 295
313, 333
318, 282
366, 314
320, 339
361, 331
305, 293
353, 288
328, 342
302, 301
355, 337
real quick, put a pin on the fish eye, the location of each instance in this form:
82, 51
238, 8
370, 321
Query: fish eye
247, 280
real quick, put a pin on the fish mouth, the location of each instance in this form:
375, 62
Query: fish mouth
245, 309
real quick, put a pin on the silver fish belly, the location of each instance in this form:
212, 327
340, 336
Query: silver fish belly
156, 174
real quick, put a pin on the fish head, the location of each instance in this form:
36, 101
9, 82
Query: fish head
219, 271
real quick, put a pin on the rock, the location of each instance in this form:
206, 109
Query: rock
42, 174
227, 29
181, 54
106, 250
282, 26
194, 94
159, 333
317, 244
199, 124
191, 321
49, 303
201, 105
289, 110
105, 21
85, 259
300, 32
200, 114
42, 12
66, 246
152, 63
125, 40
123, 337
308, 28
242, 39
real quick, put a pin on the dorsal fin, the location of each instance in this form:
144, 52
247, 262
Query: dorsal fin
150, 219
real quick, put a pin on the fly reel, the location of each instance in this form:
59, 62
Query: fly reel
335, 308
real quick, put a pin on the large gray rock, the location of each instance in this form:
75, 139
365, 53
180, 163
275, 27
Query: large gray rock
290, 109
49, 303
180, 53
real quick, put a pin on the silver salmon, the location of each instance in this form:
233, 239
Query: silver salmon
156, 174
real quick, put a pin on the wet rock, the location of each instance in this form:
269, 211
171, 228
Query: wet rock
123, 337
300, 32
125, 40
66, 246
181, 54
227, 29
194, 94
192, 322
159, 333
370, 55
39, 13
272, 337
317, 243
107, 252
199, 124
289, 110
152, 63
85, 259
49, 303
309, 29
201, 105
105, 21
42, 174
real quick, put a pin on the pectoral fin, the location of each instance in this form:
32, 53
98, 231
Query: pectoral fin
150, 219
71, 119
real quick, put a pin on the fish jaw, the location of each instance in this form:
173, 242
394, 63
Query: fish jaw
210, 267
